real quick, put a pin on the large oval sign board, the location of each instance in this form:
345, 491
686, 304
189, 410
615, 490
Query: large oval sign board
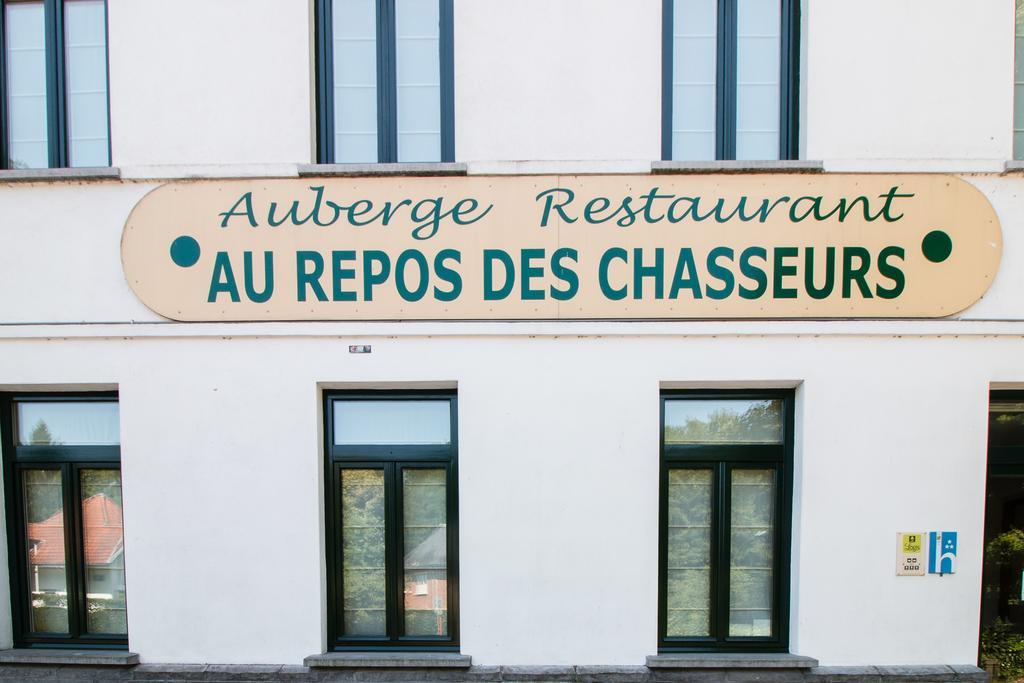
563, 247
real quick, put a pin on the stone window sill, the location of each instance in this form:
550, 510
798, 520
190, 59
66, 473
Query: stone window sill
730, 660
363, 170
37, 175
732, 166
389, 660
72, 657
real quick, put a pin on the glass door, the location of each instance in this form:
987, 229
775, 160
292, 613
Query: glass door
1002, 598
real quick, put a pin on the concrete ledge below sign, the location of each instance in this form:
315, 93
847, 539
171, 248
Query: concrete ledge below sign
44, 175
728, 660
734, 166
389, 660
69, 657
363, 170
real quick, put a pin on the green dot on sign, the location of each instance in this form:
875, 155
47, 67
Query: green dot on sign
937, 246
185, 251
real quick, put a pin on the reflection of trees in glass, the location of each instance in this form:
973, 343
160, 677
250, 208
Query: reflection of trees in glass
1000, 643
424, 510
43, 495
1008, 546
689, 552
1006, 421
41, 435
759, 423
751, 557
102, 482
49, 612
688, 603
362, 539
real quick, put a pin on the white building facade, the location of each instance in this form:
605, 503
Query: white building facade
556, 540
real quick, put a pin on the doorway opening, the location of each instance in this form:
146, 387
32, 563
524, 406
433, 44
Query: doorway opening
1002, 597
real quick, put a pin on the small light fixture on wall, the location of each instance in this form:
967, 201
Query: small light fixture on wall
360, 348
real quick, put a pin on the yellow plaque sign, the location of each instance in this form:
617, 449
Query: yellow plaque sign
910, 554
563, 247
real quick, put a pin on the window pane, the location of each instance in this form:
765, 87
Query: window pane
418, 71
694, 40
688, 595
47, 573
751, 552
758, 75
103, 535
93, 423
354, 28
425, 540
85, 44
26, 85
723, 421
1018, 84
1003, 564
392, 422
1006, 423
362, 552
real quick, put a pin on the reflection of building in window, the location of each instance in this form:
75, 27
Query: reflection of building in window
426, 584
392, 520
104, 555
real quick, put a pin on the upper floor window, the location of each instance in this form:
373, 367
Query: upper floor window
1018, 83
62, 477
385, 74
53, 84
730, 79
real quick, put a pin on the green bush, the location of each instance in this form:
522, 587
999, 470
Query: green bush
1006, 548
999, 642
106, 616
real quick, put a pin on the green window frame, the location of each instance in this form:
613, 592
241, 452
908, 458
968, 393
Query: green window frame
702, 594
390, 122
728, 105
67, 121
392, 575
1018, 81
63, 523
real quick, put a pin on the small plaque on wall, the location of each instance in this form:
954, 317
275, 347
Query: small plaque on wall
910, 554
942, 552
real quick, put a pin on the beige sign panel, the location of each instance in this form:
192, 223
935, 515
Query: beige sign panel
563, 247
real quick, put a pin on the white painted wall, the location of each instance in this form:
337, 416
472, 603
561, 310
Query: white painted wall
558, 469
78, 227
209, 83
911, 84
569, 79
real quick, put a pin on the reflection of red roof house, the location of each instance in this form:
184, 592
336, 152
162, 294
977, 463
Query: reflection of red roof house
104, 536
426, 586
430, 553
